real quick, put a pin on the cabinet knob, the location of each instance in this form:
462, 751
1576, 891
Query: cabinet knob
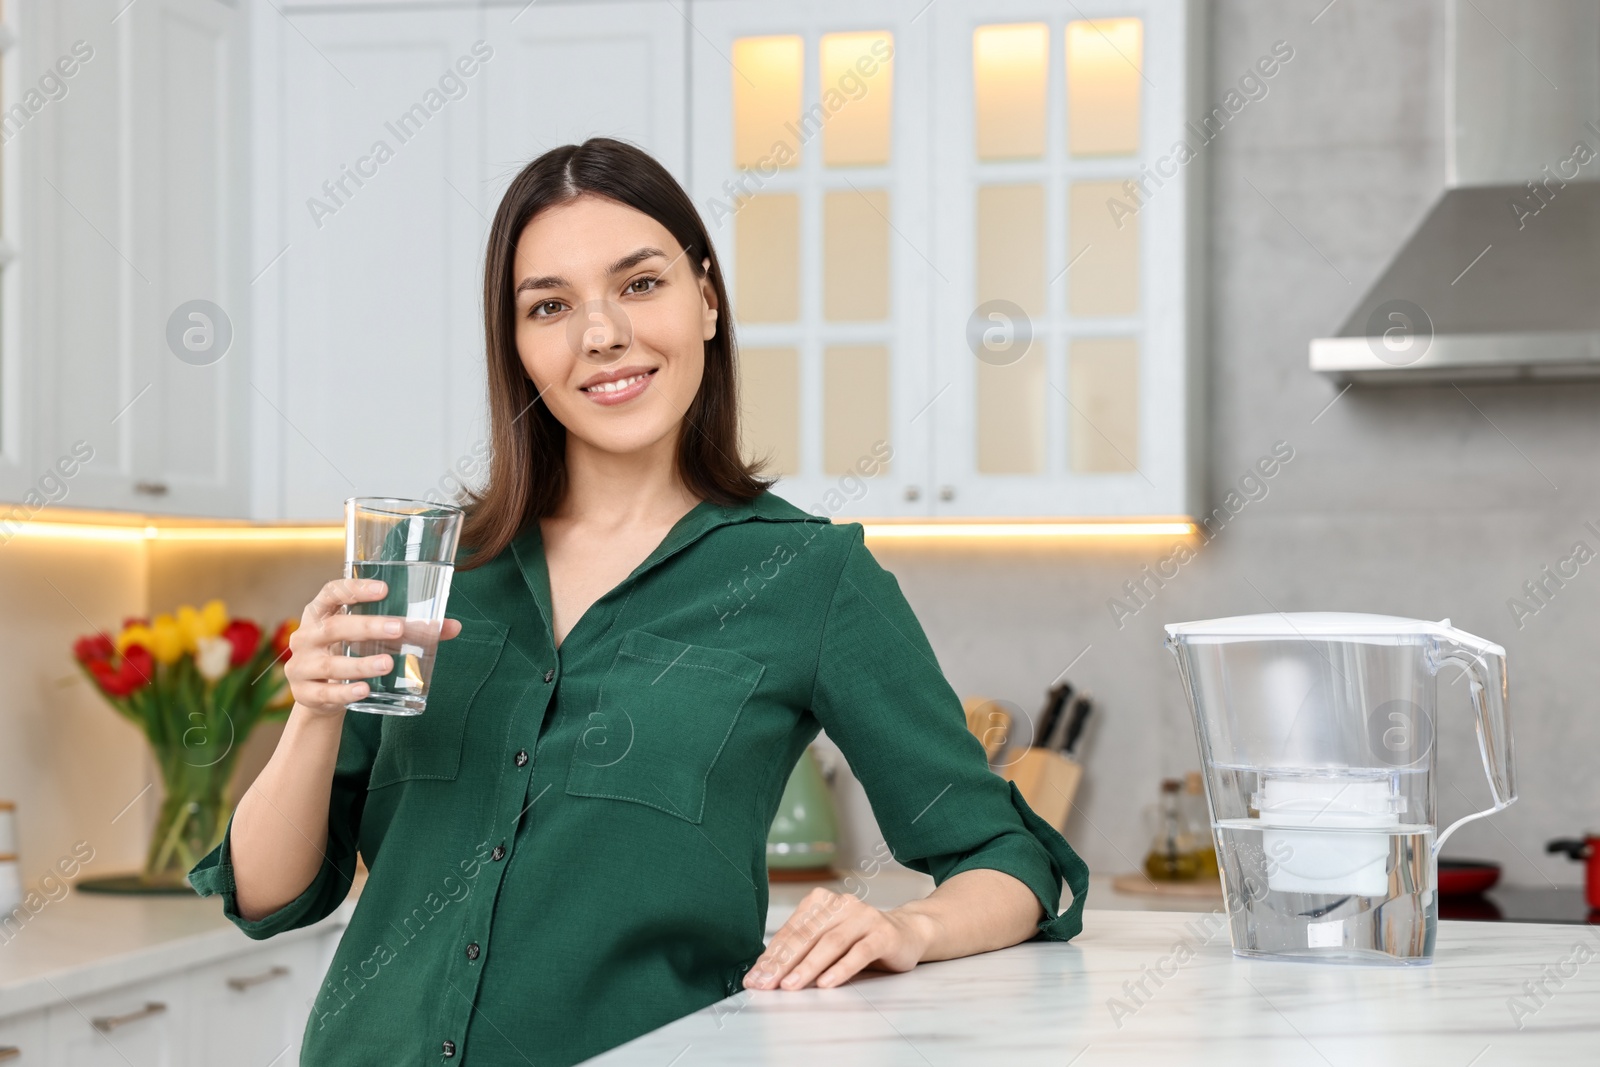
913, 493
107, 1023
151, 488
947, 492
9, 1052
241, 984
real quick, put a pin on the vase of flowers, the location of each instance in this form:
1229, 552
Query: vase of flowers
196, 683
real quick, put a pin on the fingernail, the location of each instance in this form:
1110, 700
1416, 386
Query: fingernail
392, 627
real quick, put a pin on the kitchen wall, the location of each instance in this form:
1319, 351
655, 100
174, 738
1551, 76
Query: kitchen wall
71, 764
75, 768
1427, 502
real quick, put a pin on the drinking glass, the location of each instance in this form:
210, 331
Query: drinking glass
411, 545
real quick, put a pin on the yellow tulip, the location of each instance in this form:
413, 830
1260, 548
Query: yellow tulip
189, 627
133, 635
213, 618
166, 639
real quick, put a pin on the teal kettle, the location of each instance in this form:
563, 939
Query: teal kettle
804, 838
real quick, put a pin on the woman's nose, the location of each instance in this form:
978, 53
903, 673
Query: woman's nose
605, 333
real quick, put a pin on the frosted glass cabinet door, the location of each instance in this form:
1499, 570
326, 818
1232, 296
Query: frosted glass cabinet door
1063, 332
809, 152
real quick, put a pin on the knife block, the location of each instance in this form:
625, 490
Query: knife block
1048, 781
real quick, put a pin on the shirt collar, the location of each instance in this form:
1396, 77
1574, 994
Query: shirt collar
528, 546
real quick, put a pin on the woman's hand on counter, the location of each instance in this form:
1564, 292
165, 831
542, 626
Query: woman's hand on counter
832, 936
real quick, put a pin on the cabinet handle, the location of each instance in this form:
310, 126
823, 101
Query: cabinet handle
151, 488
912, 492
241, 984
947, 492
107, 1023
9, 1052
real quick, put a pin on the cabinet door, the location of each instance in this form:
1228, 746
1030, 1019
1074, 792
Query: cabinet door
565, 73
252, 1009
22, 1041
1064, 225
809, 153
139, 1025
137, 176
373, 379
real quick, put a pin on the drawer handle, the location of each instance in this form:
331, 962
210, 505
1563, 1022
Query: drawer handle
107, 1023
9, 1052
241, 984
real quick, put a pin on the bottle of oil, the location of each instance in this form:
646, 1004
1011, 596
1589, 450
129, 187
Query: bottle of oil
1172, 855
1199, 817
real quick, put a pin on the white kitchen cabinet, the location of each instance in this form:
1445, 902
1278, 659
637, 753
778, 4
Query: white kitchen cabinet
141, 983
372, 228
141, 1025
134, 182
1063, 217
23, 1041
823, 226
923, 251
257, 1001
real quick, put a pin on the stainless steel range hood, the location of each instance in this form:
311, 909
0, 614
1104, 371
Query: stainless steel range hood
1501, 281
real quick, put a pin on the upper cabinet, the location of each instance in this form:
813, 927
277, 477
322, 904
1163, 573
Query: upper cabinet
394, 134
134, 252
958, 239
810, 148
965, 232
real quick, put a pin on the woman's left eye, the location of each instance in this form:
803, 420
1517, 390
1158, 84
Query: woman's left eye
652, 282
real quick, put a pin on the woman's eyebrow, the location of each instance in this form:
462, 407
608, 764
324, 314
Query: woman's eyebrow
634, 258
627, 262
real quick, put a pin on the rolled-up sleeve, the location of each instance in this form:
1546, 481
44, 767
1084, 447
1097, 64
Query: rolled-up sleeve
882, 698
213, 874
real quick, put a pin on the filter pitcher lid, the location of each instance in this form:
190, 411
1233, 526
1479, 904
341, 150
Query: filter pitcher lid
1289, 626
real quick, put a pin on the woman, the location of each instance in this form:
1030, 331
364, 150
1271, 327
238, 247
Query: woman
567, 849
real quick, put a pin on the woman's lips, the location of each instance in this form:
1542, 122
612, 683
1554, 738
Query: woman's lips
621, 396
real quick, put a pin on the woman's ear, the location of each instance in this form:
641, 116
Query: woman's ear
708, 293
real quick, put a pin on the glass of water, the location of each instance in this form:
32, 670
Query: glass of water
410, 545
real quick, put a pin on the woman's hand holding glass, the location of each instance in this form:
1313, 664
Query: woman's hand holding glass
317, 664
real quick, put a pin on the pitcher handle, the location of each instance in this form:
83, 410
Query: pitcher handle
1485, 665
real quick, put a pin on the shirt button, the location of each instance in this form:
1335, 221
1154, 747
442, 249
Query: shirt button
472, 951
498, 854
522, 757
449, 1049
550, 674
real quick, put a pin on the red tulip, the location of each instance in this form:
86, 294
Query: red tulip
280, 639
137, 670
245, 636
92, 648
138, 667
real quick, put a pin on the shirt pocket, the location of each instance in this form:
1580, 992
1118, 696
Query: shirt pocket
429, 745
665, 710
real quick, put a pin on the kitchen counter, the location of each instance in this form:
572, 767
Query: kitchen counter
1075, 1005
88, 942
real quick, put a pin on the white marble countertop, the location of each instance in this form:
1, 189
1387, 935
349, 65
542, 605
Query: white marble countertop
87, 942
1056, 1004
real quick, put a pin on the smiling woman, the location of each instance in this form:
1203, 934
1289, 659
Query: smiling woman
615, 743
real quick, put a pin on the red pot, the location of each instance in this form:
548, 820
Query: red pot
1586, 849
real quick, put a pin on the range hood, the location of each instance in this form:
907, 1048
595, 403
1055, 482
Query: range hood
1501, 281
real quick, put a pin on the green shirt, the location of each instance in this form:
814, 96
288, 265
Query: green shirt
569, 850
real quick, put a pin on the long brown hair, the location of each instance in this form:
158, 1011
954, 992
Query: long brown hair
527, 463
